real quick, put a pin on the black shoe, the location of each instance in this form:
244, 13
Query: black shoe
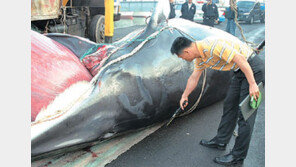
228, 160
213, 144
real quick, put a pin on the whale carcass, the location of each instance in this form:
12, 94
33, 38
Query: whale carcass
135, 82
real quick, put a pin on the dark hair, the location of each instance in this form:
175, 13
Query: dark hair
180, 44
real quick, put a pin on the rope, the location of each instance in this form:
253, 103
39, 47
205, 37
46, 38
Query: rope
152, 36
233, 7
198, 100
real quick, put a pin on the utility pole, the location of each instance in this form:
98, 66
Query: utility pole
109, 22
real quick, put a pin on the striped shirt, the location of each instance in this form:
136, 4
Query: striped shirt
217, 54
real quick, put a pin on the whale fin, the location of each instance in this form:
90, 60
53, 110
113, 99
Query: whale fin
138, 108
160, 14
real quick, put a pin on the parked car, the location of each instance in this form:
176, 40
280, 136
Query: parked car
262, 8
249, 11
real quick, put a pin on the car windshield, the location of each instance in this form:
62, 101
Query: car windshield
245, 4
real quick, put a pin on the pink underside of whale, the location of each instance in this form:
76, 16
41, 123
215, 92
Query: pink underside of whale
53, 69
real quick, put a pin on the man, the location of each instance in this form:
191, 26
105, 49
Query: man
210, 13
172, 12
224, 55
188, 10
230, 15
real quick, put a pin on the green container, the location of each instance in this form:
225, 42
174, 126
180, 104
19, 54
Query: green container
255, 104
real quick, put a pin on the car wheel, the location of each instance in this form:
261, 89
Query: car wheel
97, 29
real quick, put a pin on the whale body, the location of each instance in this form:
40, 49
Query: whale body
136, 83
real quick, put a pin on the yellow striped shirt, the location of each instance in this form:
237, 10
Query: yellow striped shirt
217, 54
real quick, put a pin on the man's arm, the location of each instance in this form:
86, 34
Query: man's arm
247, 70
191, 84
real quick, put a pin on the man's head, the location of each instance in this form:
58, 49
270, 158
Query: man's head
189, 1
183, 48
209, 1
171, 1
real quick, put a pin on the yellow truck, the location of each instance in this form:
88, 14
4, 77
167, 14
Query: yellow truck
83, 18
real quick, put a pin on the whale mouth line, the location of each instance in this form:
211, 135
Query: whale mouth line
49, 118
64, 102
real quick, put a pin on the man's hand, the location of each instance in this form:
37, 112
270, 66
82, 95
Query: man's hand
254, 91
183, 99
191, 84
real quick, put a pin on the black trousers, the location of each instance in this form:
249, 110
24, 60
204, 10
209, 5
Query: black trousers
209, 21
238, 90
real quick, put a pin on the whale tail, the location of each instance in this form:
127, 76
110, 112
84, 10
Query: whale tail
160, 14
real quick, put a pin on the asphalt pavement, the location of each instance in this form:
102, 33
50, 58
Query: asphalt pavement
178, 144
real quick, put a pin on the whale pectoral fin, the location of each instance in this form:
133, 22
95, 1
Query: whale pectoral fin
139, 107
163, 100
136, 110
144, 92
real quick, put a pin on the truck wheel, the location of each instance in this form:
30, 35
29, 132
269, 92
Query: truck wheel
97, 29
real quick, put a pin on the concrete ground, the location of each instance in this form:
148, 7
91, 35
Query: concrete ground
178, 144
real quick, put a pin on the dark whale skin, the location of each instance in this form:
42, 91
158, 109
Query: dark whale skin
136, 92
